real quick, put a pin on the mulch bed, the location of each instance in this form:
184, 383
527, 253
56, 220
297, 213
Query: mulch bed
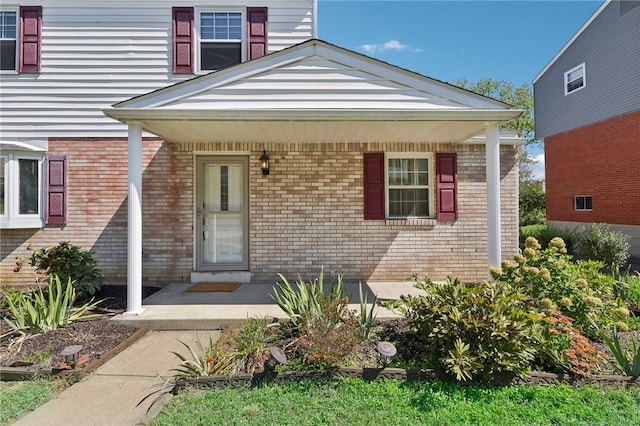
98, 336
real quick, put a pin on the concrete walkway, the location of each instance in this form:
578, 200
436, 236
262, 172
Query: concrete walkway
109, 396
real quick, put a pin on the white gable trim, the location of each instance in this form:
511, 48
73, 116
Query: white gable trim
310, 49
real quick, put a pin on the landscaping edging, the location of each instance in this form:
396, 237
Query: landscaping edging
398, 374
30, 373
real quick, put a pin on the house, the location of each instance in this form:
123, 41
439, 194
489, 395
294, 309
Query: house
587, 110
181, 158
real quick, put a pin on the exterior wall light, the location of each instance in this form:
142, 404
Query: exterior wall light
264, 162
386, 350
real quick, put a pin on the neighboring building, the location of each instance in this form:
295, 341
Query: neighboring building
587, 110
374, 172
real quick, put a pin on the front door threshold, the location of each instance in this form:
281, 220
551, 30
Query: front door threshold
243, 277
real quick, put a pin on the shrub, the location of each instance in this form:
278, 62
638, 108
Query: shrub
551, 279
597, 242
250, 345
532, 204
545, 233
470, 330
70, 263
563, 348
327, 331
310, 300
35, 312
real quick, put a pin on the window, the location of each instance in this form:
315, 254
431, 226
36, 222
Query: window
217, 39
401, 186
574, 79
8, 40
21, 190
582, 203
220, 38
408, 186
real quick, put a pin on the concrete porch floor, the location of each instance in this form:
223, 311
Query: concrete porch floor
173, 308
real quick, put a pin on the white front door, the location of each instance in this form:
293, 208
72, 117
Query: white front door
222, 213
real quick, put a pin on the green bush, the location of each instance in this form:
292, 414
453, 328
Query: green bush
471, 330
545, 233
551, 279
250, 345
532, 204
35, 312
598, 242
70, 263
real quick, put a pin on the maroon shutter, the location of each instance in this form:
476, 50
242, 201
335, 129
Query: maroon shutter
56, 184
256, 32
30, 38
183, 40
374, 186
446, 186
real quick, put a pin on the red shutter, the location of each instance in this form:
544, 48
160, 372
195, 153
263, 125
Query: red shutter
256, 32
374, 186
183, 40
30, 38
446, 186
56, 193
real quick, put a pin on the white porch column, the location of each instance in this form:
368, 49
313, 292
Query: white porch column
494, 239
134, 248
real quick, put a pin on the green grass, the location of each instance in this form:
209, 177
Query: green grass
19, 398
354, 402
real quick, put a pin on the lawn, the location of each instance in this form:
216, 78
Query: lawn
20, 398
355, 402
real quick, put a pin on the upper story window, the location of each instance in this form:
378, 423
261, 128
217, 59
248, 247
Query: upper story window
574, 79
20, 39
409, 189
214, 39
8, 40
220, 38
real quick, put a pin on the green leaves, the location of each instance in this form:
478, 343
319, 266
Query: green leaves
471, 329
628, 365
38, 313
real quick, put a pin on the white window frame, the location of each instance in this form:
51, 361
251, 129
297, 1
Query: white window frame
431, 179
11, 217
17, 39
243, 39
575, 203
567, 82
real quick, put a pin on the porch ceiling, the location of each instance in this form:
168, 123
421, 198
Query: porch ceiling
316, 126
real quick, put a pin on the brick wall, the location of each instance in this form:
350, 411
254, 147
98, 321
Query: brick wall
97, 212
601, 160
306, 214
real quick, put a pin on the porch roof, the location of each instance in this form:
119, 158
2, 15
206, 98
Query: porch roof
313, 92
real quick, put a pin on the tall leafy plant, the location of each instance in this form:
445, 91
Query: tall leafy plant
38, 312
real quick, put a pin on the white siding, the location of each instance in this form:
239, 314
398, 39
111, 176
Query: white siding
95, 54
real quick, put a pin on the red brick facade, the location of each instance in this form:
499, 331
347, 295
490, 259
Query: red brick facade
601, 160
306, 214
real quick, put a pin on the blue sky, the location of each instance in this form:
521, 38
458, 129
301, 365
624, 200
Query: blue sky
455, 39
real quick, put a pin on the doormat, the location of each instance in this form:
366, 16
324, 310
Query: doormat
213, 287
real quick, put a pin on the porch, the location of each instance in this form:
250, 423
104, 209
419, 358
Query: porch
175, 308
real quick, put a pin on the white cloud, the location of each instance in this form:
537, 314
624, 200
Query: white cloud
393, 45
538, 167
